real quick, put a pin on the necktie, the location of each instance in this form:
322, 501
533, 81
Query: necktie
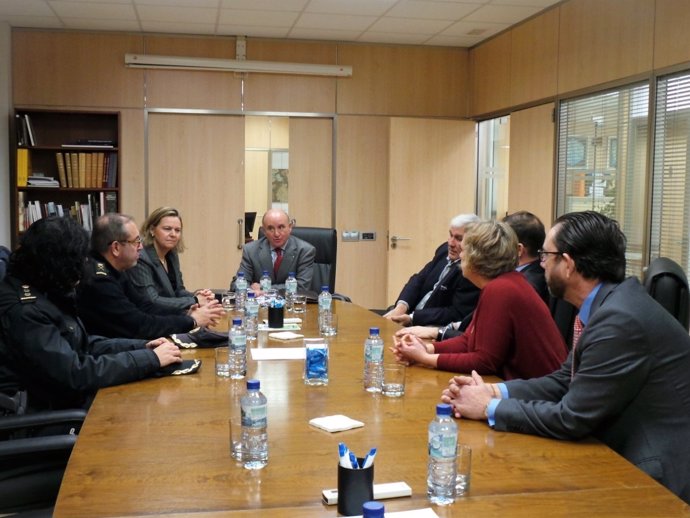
577, 331
444, 272
279, 259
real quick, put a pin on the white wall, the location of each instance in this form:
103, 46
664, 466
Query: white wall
5, 110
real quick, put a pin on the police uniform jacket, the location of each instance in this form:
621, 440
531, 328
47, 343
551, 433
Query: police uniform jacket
45, 350
106, 305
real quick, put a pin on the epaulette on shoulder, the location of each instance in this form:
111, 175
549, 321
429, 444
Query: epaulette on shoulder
101, 269
25, 294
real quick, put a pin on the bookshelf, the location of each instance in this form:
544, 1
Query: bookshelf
63, 163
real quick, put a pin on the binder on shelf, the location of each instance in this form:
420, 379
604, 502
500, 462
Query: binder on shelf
62, 173
22, 167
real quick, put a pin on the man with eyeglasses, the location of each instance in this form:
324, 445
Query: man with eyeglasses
278, 252
105, 297
625, 380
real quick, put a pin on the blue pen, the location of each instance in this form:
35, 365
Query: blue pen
369, 459
353, 461
344, 455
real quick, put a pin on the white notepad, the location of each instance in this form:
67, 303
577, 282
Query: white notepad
335, 423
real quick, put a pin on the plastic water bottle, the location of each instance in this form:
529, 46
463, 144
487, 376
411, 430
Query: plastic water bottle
251, 316
373, 509
290, 288
240, 291
265, 281
238, 350
443, 445
325, 300
373, 361
254, 431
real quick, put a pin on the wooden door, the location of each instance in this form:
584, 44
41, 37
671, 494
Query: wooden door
196, 164
432, 179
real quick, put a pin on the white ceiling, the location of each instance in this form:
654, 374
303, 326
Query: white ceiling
456, 23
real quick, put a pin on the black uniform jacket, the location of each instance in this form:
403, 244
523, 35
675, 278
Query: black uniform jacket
44, 349
108, 309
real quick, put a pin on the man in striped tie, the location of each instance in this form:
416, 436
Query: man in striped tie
626, 380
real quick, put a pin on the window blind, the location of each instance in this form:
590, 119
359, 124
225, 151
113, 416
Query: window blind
602, 153
670, 185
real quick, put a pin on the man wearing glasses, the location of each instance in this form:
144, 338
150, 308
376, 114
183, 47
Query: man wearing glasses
625, 380
104, 296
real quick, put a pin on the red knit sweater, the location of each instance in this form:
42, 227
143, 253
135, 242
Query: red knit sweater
512, 334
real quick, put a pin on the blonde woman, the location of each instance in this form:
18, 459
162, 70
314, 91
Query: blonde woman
157, 278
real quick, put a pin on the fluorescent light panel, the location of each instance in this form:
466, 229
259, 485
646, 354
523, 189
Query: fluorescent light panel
234, 65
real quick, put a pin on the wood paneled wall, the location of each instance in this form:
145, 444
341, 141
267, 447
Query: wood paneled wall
577, 45
83, 70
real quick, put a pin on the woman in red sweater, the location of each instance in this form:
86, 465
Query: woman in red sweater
512, 334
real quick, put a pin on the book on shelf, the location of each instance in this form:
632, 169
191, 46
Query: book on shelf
90, 143
30, 130
20, 127
62, 173
23, 166
112, 171
81, 167
74, 160
110, 202
68, 169
21, 211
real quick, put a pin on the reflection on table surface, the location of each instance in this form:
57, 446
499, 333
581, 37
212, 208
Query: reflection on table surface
161, 447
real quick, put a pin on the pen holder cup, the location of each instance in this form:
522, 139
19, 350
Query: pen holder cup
276, 317
355, 486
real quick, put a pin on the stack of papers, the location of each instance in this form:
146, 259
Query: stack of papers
285, 335
278, 353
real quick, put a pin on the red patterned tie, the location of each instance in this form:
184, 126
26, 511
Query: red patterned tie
577, 331
279, 259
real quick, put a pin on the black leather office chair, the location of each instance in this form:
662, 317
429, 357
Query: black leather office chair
667, 283
34, 450
325, 240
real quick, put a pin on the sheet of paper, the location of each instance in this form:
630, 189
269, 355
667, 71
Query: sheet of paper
286, 327
278, 353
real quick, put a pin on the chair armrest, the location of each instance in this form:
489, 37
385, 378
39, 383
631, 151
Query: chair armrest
40, 419
36, 446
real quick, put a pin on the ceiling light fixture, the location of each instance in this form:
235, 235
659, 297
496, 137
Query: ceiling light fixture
235, 65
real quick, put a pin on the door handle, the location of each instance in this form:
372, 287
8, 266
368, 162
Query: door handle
395, 239
240, 233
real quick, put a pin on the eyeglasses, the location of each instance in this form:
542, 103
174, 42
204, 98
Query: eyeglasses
134, 242
543, 254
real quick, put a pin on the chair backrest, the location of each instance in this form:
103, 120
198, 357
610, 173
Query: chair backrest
325, 240
667, 283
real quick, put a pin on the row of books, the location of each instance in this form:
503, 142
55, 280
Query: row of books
96, 170
84, 212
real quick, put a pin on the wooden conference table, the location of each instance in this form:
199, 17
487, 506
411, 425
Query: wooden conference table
160, 447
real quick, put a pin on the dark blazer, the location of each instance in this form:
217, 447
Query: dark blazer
152, 284
631, 387
452, 299
298, 257
534, 274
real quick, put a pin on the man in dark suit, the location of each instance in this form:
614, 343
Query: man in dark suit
278, 246
626, 379
439, 293
530, 233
